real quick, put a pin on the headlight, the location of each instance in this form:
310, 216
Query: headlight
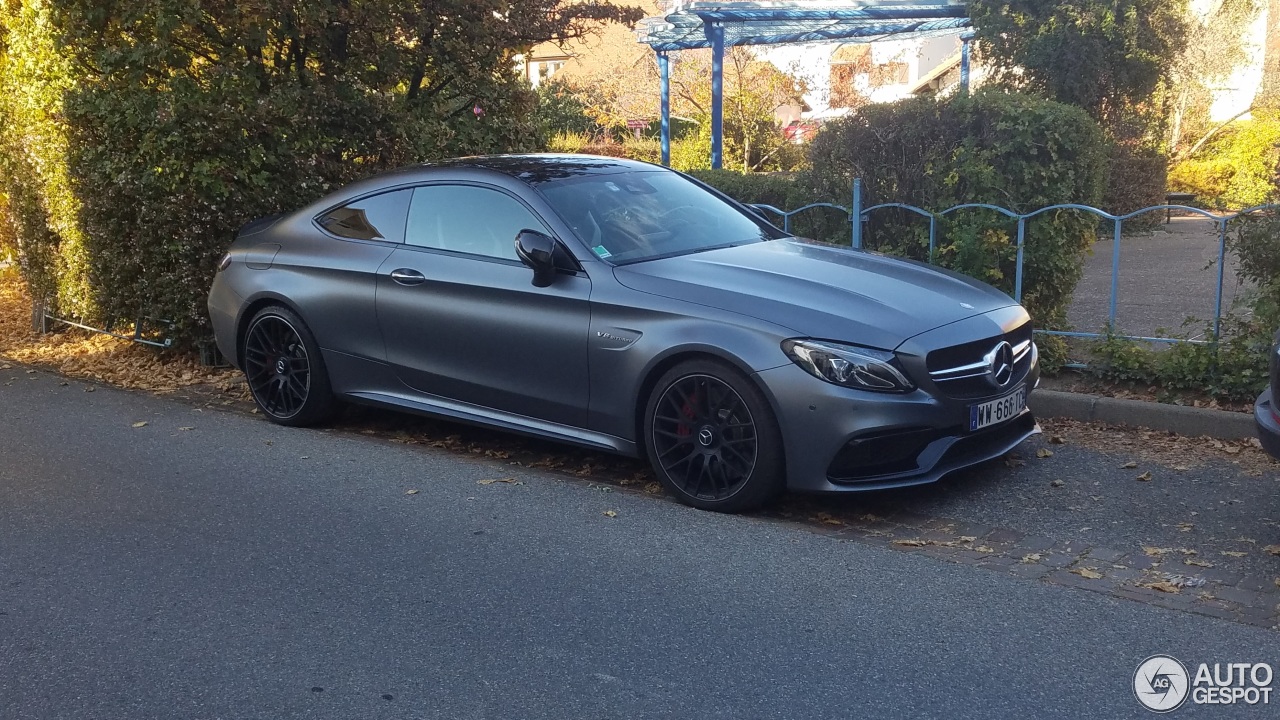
848, 365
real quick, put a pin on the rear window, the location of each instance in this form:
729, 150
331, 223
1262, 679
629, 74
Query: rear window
377, 217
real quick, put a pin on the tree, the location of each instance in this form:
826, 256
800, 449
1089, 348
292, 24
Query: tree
1105, 56
753, 91
1214, 48
1269, 95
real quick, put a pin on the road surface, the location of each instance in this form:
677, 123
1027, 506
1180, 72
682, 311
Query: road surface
211, 565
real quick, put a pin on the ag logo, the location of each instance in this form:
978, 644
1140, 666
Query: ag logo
1161, 683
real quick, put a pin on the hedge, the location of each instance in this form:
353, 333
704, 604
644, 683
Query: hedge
135, 138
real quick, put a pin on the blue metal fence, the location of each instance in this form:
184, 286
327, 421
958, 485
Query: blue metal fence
1221, 222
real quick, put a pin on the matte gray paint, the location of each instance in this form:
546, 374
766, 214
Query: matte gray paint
477, 342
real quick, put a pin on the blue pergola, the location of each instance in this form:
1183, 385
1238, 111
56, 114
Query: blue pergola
718, 25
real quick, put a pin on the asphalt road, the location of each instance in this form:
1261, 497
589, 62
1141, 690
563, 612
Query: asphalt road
211, 565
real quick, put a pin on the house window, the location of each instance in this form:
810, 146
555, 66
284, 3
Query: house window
890, 73
542, 70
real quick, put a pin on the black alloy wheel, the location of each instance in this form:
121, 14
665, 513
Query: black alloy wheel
284, 369
712, 438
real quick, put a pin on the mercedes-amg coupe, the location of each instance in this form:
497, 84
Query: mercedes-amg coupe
622, 306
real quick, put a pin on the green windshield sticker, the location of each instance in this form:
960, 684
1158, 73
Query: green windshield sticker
601, 252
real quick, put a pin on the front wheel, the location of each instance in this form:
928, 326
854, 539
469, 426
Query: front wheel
712, 438
285, 371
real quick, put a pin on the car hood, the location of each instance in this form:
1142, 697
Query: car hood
819, 291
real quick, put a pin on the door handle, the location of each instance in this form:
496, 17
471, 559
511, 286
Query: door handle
405, 276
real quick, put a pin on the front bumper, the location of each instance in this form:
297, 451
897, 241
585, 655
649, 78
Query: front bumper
842, 440
1264, 418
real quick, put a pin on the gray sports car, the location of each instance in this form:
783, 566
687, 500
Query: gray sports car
625, 307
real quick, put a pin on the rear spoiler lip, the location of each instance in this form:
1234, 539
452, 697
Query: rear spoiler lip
254, 227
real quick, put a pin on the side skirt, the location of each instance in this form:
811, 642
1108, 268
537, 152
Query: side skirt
433, 406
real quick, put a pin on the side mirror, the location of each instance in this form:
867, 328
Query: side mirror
538, 252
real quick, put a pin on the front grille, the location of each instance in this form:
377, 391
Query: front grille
961, 371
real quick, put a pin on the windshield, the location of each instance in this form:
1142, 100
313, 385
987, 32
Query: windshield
634, 216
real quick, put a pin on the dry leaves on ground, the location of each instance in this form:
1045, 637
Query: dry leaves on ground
94, 356
1158, 447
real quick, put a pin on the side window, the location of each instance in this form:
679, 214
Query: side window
378, 217
467, 219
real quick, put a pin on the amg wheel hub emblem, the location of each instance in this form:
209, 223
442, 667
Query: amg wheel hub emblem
706, 437
281, 367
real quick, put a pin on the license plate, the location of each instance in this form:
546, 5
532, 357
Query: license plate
997, 411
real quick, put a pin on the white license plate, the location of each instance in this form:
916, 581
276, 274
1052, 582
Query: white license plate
994, 412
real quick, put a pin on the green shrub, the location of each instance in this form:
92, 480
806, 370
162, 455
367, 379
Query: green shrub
1006, 149
1239, 168
568, 142
562, 111
1136, 179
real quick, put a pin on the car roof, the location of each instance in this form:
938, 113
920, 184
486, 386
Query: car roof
540, 168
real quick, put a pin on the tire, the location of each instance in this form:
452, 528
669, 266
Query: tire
712, 438
285, 370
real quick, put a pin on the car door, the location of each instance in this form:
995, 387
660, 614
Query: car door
462, 320
331, 272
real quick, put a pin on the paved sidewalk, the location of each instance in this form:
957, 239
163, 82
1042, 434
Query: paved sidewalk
1166, 275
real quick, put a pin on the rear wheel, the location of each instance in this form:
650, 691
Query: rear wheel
712, 438
285, 371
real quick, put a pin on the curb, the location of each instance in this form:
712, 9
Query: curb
1191, 421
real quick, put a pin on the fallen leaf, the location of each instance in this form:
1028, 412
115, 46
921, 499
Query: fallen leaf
6, 367
1197, 563
653, 488
1277, 582
1087, 573
140, 423
1014, 461
1057, 483
1185, 527
1031, 558
1129, 465
1145, 477
90, 388
1057, 440
611, 513
186, 428
910, 543
411, 492
1233, 553
1164, 586
1155, 551
507, 480
31, 372
983, 549
1181, 468
1044, 453
1272, 549
1231, 449
827, 519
